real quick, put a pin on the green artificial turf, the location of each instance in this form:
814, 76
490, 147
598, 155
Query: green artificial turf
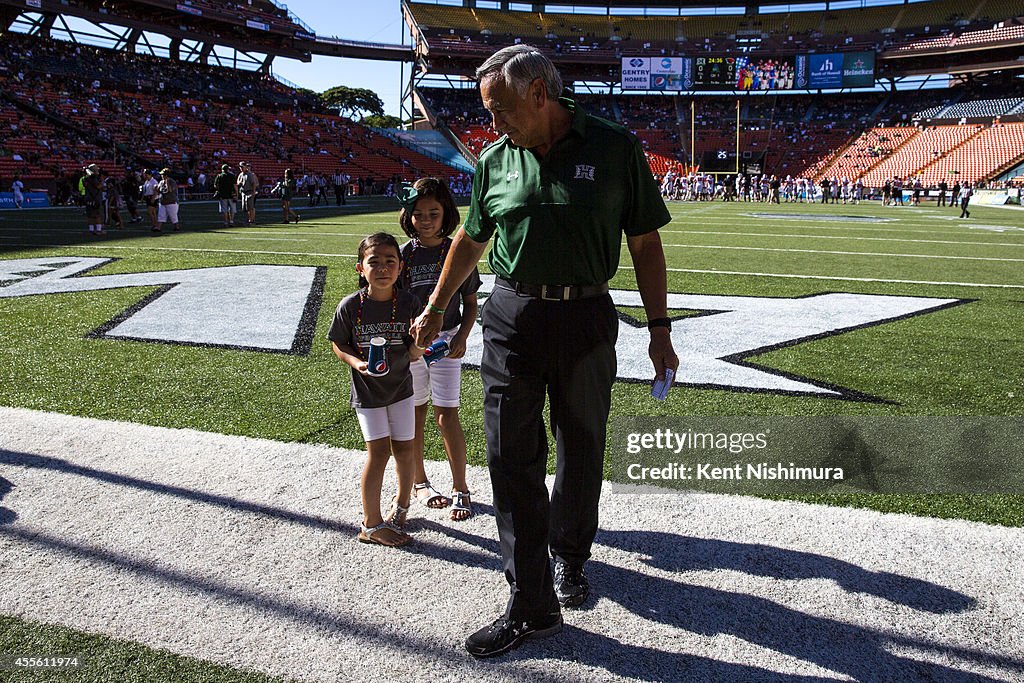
103, 660
963, 360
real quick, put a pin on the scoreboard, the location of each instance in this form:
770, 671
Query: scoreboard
742, 72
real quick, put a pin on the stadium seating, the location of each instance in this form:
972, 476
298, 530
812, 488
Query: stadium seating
976, 109
992, 150
933, 14
919, 151
865, 152
113, 113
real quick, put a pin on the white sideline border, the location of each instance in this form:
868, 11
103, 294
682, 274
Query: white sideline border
241, 551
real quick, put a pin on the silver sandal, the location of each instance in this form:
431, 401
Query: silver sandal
436, 500
396, 515
461, 503
383, 534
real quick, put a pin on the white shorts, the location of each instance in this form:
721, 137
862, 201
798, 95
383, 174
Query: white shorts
167, 212
397, 420
440, 383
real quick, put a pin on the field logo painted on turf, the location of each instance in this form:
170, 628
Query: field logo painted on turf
714, 346
274, 308
256, 308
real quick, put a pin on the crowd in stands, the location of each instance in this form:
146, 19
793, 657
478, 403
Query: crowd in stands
65, 105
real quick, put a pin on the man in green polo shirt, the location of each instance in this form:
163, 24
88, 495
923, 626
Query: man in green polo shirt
556, 193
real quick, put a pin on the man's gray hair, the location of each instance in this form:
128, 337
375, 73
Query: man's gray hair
518, 66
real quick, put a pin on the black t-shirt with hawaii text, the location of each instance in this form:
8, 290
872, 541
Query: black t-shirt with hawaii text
375, 320
421, 269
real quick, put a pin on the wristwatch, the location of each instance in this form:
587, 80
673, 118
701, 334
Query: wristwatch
659, 322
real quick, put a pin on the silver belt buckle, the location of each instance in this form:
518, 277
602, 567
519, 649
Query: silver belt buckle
561, 289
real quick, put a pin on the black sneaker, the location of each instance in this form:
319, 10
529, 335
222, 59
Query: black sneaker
504, 635
571, 585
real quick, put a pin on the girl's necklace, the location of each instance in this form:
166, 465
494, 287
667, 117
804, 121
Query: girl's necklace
416, 244
363, 293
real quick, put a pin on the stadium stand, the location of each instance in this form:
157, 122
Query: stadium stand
993, 150
918, 151
868, 150
135, 109
143, 111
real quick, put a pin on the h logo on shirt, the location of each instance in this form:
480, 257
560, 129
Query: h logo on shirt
585, 172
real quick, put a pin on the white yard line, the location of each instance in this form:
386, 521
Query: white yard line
188, 249
847, 253
263, 239
839, 237
927, 227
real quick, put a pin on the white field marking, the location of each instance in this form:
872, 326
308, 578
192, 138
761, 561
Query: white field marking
993, 228
833, 277
263, 239
193, 249
847, 253
904, 227
484, 261
839, 237
742, 234
315, 234
196, 249
272, 571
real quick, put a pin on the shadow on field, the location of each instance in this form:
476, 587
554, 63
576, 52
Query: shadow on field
40, 462
662, 610
674, 553
860, 652
66, 226
6, 516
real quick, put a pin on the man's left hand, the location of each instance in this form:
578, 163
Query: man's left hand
661, 352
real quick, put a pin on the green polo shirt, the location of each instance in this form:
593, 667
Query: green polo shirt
559, 220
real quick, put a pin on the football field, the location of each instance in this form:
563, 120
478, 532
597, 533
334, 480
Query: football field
780, 310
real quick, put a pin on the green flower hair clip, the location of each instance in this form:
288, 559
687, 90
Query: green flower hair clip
407, 196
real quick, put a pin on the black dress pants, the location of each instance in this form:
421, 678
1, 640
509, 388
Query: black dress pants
564, 350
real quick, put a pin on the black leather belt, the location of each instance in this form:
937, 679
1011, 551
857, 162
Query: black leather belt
554, 292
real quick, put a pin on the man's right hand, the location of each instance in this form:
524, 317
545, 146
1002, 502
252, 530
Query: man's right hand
426, 327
